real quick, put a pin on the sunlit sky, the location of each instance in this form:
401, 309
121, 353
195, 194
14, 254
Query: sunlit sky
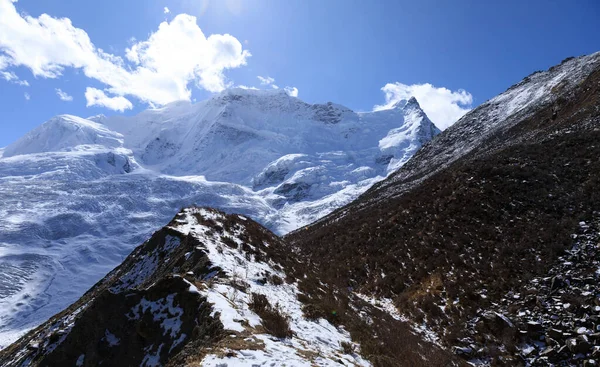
112, 57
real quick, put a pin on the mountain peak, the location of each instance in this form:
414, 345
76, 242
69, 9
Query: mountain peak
413, 100
406, 103
64, 132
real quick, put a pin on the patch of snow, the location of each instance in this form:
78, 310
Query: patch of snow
163, 311
152, 359
387, 305
110, 338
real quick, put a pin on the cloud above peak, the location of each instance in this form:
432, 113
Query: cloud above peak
96, 97
63, 95
267, 81
443, 106
157, 71
292, 91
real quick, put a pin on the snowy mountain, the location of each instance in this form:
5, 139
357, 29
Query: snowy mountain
79, 194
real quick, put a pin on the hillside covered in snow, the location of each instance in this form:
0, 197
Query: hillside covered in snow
79, 194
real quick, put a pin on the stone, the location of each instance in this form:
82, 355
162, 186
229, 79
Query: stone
548, 352
555, 334
534, 327
571, 344
464, 351
583, 345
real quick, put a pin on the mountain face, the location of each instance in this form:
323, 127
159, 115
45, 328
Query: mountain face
79, 194
488, 235
210, 289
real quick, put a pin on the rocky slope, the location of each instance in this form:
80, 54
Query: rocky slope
209, 289
79, 194
475, 217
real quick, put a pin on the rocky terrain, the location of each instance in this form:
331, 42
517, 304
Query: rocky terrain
555, 319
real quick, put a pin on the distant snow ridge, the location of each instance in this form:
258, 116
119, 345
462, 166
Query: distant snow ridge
79, 194
64, 133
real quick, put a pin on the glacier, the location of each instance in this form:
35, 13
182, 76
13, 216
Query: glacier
79, 194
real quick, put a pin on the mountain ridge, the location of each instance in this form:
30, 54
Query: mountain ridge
189, 295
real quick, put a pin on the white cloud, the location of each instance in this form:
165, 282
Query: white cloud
27, 96
266, 80
166, 10
246, 87
443, 106
157, 71
4, 62
10, 76
292, 91
96, 97
63, 95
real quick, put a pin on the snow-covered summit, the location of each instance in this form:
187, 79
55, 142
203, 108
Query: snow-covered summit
62, 133
249, 129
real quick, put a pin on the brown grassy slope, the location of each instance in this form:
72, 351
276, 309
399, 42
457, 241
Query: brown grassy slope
485, 224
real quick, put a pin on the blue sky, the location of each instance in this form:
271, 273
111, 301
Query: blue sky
362, 54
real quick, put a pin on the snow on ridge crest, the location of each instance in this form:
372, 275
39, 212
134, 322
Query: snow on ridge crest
232, 305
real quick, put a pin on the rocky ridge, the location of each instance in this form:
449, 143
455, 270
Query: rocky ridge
208, 289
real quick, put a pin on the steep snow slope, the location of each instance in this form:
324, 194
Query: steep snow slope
79, 194
235, 135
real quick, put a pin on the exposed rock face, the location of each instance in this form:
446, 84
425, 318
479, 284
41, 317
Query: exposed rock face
146, 326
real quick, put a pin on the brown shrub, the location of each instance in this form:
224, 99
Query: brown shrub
347, 348
276, 280
272, 320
